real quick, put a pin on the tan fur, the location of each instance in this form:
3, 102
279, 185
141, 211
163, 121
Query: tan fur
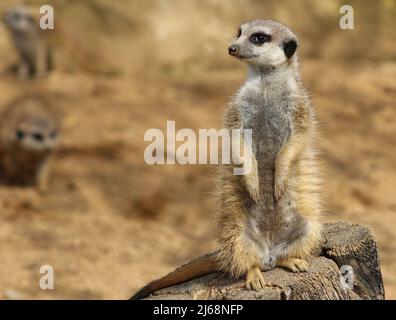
198, 267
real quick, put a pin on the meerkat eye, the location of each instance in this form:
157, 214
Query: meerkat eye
30, 19
17, 16
20, 134
239, 33
259, 38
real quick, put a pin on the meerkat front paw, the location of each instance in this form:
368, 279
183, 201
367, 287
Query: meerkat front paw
294, 264
252, 183
279, 187
254, 279
251, 176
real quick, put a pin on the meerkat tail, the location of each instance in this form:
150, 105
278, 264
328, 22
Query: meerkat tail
198, 267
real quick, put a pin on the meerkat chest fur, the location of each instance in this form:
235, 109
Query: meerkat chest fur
266, 103
266, 106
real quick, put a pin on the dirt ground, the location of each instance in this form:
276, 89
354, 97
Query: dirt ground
110, 222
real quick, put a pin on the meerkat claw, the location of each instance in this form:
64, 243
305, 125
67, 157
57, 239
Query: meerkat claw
255, 194
252, 184
254, 280
294, 264
279, 188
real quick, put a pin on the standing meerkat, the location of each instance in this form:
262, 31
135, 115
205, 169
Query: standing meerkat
28, 136
30, 43
271, 216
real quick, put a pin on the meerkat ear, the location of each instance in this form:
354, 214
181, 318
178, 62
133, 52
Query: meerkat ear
289, 47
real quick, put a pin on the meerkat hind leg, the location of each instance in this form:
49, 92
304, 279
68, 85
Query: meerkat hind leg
294, 264
254, 279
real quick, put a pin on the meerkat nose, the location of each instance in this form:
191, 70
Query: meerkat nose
233, 49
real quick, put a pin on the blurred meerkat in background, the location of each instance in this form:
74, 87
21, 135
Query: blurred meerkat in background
28, 136
33, 49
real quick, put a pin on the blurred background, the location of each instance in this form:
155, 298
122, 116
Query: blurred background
110, 222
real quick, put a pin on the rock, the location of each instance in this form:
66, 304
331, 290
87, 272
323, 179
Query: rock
349, 247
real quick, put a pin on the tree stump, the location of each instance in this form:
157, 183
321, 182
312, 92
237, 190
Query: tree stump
345, 267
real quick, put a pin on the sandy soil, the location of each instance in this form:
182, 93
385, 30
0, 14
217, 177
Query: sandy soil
110, 222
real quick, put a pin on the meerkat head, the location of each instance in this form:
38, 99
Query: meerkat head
264, 43
28, 125
19, 20
36, 133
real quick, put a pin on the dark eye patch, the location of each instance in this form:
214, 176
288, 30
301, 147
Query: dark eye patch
259, 38
17, 16
239, 33
20, 134
30, 19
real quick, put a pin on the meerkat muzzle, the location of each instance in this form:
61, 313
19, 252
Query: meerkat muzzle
233, 50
